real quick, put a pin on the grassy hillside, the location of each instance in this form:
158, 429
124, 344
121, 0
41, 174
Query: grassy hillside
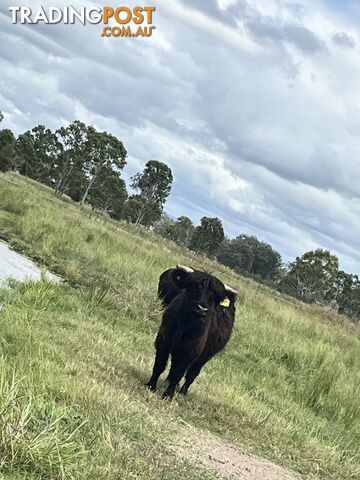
74, 358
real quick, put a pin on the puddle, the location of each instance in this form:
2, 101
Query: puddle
14, 265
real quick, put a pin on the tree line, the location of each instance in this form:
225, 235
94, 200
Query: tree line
85, 164
314, 277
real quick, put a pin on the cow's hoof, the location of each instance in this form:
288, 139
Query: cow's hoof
183, 391
167, 396
150, 386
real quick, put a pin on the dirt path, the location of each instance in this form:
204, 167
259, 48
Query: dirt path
226, 459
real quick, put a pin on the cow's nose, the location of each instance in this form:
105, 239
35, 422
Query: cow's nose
201, 308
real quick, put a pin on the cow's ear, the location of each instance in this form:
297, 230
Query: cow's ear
180, 277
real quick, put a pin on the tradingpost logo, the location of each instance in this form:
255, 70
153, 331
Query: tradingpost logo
121, 21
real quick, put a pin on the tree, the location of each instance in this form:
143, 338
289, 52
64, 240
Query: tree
7, 150
86, 155
133, 208
236, 254
153, 187
312, 277
109, 193
347, 293
248, 254
25, 153
267, 261
72, 159
38, 152
208, 236
183, 231
76, 183
1, 116
69, 166
103, 152
353, 305
165, 226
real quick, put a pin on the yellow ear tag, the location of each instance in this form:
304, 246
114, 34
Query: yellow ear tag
225, 303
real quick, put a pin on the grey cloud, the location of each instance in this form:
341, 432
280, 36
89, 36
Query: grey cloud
142, 91
300, 36
20, 36
303, 38
344, 40
228, 16
210, 7
297, 10
264, 121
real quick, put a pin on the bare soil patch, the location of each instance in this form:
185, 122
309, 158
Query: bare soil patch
227, 459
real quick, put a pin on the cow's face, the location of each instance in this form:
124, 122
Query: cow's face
202, 289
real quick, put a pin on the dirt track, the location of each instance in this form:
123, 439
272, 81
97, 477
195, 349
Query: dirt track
226, 459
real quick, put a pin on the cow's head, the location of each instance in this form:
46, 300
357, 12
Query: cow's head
203, 290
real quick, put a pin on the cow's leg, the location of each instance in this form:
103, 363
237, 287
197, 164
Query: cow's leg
161, 358
174, 343
179, 365
192, 373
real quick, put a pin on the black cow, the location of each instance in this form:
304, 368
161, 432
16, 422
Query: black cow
196, 324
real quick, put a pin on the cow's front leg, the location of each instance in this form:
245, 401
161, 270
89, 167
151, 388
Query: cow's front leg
180, 363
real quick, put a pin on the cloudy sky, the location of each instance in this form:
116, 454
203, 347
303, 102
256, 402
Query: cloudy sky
255, 105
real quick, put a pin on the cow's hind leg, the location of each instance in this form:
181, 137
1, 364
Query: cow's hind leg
192, 373
161, 358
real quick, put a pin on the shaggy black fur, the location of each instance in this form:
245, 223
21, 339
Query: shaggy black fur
194, 326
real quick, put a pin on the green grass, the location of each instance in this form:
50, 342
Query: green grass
74, 358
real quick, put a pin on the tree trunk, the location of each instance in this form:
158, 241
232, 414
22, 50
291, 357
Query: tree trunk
62, 183
88, 188
140, 217
107, 206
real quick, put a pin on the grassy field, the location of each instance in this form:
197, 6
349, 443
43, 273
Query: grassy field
74, 358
